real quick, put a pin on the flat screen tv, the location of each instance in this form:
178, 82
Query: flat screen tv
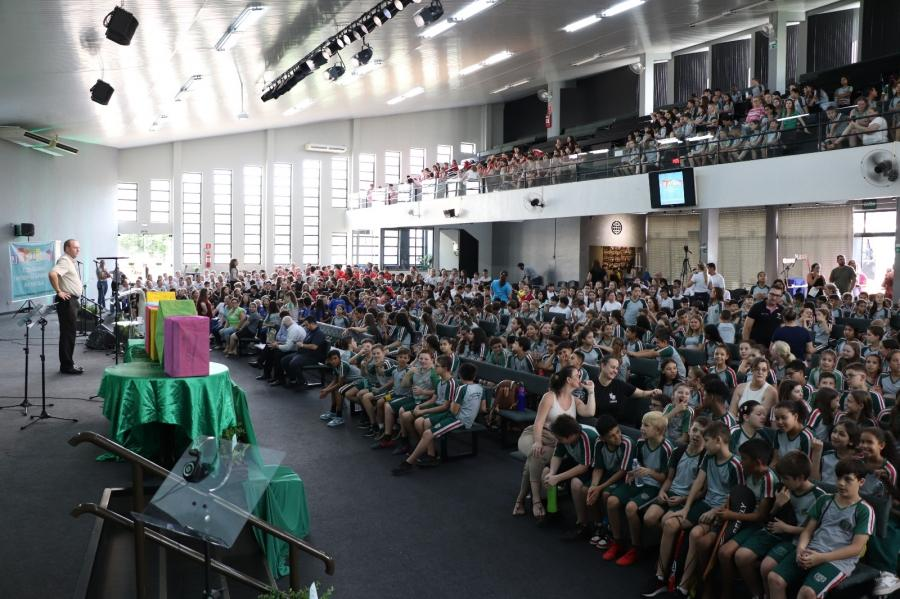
672, 189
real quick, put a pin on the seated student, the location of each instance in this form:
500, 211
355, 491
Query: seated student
844, 444
879, 453
586, 345
377, 371
498, 354
577, 442
752, 416
774, 541
679, 415
663, 351
796, 371
720, 366
650, 464
446, 349
462, 413
563, 356
792, 432
755, 457
435, 410
719, 472
824, 412
726, 327
519, 358
889, 382
835, 534
827, 363
633, 341
422, 380
682, 470
345, 378
393, 389
714, 401
856, 381
576, 361
612, 459
858, 409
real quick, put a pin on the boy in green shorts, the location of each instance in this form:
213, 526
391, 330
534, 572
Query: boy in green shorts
719, 472
395, 389
612, 456
423, 380
834, 536
776, 541
463, 409
377, 372
577, 441
437, 409
683, 469
345, 377
755, 457
652, 454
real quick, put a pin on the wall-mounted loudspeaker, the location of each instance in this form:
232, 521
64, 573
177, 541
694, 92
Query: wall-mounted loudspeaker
450, 213
120, 26
101, 92
23, 230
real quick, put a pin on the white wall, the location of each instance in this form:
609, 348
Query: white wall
483, 232
551, 246
69, 196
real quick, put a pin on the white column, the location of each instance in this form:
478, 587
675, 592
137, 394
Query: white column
778, 47
555, 88
709, 235
648, 81
897, 256
268, 219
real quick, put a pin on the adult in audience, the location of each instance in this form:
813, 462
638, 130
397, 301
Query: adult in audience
311, 351
794, 334
539, 447
843, 276
501, 290
102, 283
715, 278
760, 289
233, 273
66, 283
614, 394
530, 275
699, 284
843, 94
286, 341
597, 274
764, 317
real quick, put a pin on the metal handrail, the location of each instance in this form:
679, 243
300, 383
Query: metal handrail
170, 544
141, 464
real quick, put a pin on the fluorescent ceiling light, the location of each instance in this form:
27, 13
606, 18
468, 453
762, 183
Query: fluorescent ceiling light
582, 23
668, 141
611, 52
586, 60
249, 16
603, 151
750, 6
621, 7
471, 69
498, 57
410, 94
360, 72
510, 86
700, 137
472, 8
299, 107
791, 118
187, 86
438, 29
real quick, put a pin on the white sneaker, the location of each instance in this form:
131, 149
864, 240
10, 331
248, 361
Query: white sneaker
327, 416
886, 584
335, 422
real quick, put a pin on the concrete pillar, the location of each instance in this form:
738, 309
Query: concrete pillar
555, 88
897, 256
709, 235
670, 80
778, 53
648, 81
771, 254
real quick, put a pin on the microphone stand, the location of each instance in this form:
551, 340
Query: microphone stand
25, 404
44, 415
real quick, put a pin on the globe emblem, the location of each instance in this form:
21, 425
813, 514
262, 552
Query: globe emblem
616, 227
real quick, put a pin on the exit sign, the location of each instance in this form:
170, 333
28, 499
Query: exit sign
869, 204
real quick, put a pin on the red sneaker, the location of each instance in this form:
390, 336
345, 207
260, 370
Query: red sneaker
613, 552
629, 558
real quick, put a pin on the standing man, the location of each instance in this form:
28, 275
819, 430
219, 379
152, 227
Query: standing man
501, 289
715, 279
102, 283
67, 283
530, 275
843, 276
764, 317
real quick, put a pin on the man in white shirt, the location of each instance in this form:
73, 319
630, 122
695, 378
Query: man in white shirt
876, 132
66, 282
715, 278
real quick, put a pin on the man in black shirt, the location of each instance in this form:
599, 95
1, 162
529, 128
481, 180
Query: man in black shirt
764, 317
312, 351
613, 394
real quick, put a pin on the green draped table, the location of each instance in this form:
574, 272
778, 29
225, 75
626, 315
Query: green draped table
136, 351
283, 505
139, 396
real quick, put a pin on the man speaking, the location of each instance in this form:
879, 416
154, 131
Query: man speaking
67, 283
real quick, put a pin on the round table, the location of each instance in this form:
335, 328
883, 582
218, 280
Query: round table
139, 396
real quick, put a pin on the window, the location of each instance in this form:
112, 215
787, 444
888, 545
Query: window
421, 244
221, 216
391, 168
444, 154
127, 202
811, 235
667, 234
160, 203
390, 248
365, 247
282, 175
743, 234
339, 248
191, 188
874, 234
416, 161
339, 178
311, 193
366, 171
467, 148
253, 187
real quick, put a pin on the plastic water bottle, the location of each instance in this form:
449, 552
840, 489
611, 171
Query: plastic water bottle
634, 466
520, 398
551, 499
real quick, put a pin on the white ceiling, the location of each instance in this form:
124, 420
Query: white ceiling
52, 52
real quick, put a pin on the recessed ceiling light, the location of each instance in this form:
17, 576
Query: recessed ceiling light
621, 7
471, 69
582, 23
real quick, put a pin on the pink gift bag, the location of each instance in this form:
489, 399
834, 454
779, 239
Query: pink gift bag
186, 351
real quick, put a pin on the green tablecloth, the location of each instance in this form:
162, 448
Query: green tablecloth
135, 351
170, 308
138, 397
283, 505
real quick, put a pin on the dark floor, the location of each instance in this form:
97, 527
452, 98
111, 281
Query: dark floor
446, 531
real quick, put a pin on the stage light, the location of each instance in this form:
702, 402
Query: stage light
362, 57
311, 65
429, 14
120, 26
340, 42
336, 71
101, 92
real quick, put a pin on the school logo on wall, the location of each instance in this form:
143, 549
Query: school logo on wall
616, 227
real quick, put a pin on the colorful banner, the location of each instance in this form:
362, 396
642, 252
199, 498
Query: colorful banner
29, 265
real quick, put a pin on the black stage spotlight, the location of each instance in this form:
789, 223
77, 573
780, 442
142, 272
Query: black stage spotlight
101, 92
362, 57
429, 14
120, 26
337, 71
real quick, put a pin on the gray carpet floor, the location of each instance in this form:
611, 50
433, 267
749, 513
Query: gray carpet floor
446, 531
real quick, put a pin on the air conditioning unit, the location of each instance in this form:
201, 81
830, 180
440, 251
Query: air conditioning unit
325, 148
28, 139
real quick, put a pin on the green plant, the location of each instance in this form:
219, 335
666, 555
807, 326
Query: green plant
426, 261
301, 594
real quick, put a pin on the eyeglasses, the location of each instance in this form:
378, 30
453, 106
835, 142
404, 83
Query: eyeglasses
776, 294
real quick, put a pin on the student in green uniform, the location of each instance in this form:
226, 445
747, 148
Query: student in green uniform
519, 358
436, 409
422, 381
377, 373
652, 453
394, 389
664, 351
577, 441
679, 415
834, 536
344, 377
856, 381
498, 353
752, 416
612, 459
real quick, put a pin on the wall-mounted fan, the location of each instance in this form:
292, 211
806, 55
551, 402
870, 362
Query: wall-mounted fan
534, 201
544, 95
879, 167
636, 68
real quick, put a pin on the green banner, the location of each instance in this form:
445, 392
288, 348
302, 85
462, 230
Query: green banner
29, 264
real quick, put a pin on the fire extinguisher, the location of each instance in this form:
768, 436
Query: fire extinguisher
548, 120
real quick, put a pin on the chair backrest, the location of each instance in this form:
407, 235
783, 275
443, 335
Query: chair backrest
644, 371
548, 316
593, 371
860, 324
693, 357
489, 328
444, 330
534, 383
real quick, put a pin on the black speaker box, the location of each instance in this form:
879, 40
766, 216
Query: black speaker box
102, 92
120, 26
24, 230
101, 338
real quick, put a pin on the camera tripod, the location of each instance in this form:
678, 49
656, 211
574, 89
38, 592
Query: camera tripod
685, 266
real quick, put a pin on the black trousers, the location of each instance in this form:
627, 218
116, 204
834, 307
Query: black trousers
67, 311
294, 365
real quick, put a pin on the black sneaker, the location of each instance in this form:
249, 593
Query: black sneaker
579, 533
363, 424
428, 461
401, 449
372, 432
404, 468
656, 587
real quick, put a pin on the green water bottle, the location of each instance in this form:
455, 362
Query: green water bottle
551, 499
